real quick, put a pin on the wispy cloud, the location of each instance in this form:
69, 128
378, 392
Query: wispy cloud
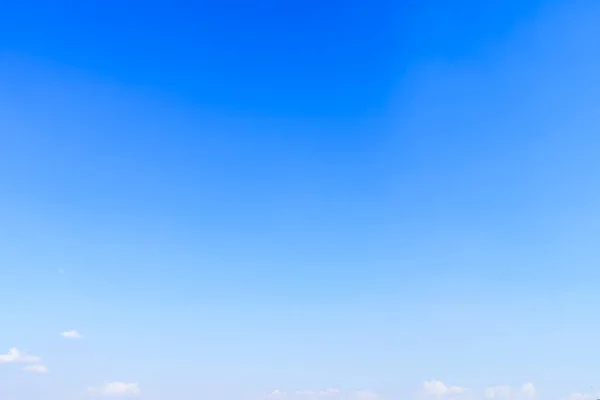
37, 368
366, 395
440, 389
16, 356
431, 390
583, 396
502, 391
115, 389
526, 392
71, 335
331, 393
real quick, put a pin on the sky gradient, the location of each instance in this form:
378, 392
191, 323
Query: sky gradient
300, 200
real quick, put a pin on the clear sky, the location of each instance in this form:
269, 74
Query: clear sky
300, 200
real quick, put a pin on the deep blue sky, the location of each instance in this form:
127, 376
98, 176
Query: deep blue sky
228, 199
304, 59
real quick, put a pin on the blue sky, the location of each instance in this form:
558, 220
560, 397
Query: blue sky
299, 200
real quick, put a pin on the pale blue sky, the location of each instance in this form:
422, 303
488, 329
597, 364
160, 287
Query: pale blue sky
225, 201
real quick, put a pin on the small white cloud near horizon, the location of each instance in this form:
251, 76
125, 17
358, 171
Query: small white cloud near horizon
304, 393
332, 393
73, 334
502, 391
115, 389
366, 395
582, 396
440, 389
528, 391
277, 394
37, 368
329, 392
16, 356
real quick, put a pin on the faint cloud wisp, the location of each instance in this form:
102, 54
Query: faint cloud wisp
37, 368
115, 389
73, 334
14, 355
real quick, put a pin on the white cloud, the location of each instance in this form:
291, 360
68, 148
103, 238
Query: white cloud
366, 395
17, 357
433, 390
116, 389
71, 335
304, 393
498, 391
583, 396
37, 368
276, 394
528, 390
329, 392
336, 394
440, 389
